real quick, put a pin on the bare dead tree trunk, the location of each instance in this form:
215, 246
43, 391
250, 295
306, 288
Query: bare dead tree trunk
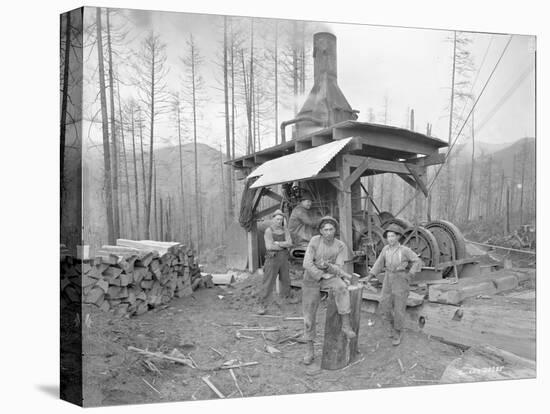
295, 66
161, 219
228, 182
232, 95
276, 62
130, 221
151, 136
488, 207
136, 187
248, 106
105, 129
472, 168
451, 113
183, 227
155, 201
524, 162
114, 144
64, 100
251, 84
196, 155
145, 189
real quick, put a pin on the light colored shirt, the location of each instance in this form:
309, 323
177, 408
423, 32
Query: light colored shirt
319, 251
396, 259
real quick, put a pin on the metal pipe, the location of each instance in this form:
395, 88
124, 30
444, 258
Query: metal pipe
295, 121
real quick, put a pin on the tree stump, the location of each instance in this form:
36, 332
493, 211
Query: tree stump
338, 350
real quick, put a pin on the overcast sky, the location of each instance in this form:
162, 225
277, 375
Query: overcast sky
412, 67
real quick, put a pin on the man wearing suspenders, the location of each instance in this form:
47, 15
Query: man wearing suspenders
400, 264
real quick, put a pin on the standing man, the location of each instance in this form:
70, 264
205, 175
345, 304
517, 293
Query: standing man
323, 262
302, 224
401, 263
277, 241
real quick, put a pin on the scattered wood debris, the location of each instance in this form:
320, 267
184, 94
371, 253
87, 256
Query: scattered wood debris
160, 355
212, 386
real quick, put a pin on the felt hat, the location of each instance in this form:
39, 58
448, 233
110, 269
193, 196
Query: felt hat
306, 195
277, 212
328, 219
394, 228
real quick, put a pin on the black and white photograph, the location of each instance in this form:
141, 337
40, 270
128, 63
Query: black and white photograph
256, 206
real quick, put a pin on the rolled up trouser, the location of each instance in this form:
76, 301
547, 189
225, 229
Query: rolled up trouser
393, 304
311, 297
276, 264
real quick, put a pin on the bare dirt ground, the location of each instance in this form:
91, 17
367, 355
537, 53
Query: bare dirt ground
210, 319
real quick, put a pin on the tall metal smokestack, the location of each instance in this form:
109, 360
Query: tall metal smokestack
326, 104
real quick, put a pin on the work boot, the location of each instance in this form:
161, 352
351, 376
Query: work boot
346, 326
262, 309
397, 338
308, 357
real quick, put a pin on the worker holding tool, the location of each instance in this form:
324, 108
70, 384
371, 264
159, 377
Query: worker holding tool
302, 223
400, 264
277, 241
323, 263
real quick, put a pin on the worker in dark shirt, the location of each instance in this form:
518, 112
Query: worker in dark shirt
302, 223
277, 242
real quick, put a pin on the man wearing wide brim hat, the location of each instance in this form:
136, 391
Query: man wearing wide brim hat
302, 224
277, 242
323, 263
400, 264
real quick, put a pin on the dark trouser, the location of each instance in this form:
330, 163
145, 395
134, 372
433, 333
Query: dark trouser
276, 264
311, 297
393, 304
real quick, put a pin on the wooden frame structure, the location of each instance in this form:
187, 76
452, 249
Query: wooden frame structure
373, 149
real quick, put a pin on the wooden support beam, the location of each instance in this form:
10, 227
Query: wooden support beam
241, 173
418, 174
252, 244
337, 183
256, 198
345, 211
318, 140
302, 145
408, 179
271, 194
376, 164
266, 211
433, 159
355, 175
260, 159
385, 140
249, 163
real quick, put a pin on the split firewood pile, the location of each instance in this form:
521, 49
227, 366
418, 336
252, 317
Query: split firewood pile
131, 277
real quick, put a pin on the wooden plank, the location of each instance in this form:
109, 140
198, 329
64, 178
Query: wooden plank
433, 159
418, 178
260, 159
345, 212
376, 164
252, 243
506, 323
318, 140
249, 162
271, 194
267, 211
385, 140
302, 145
338, 350
356, 174
408, 180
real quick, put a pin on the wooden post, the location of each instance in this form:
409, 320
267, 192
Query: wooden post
344, 210
338, 350
252, 242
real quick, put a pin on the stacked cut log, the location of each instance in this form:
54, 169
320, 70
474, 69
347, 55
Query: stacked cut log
133, 276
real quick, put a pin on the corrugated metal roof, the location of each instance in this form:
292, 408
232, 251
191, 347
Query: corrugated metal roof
297, 166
